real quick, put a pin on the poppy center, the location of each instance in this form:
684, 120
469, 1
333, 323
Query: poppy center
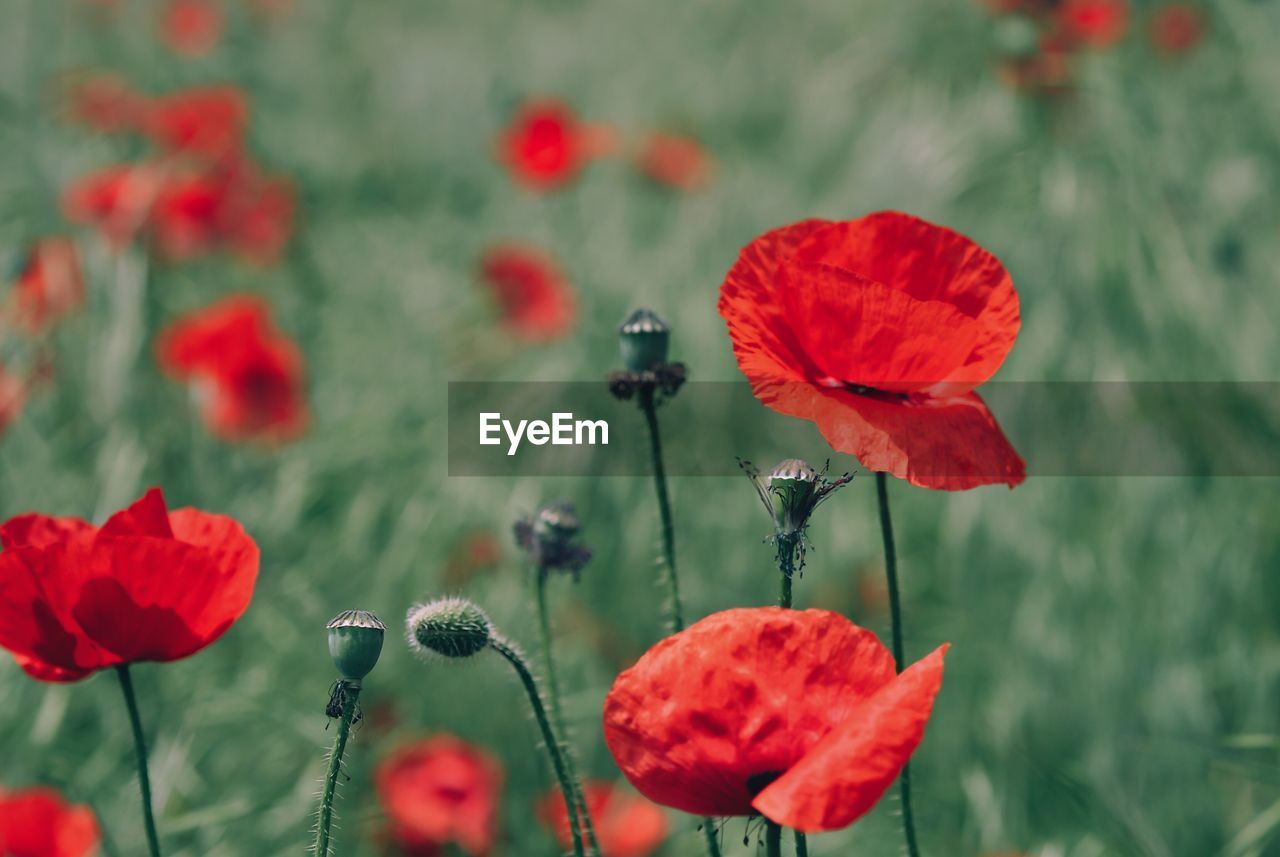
873, 393
757, 783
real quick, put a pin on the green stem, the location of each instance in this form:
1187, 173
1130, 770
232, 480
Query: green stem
802, 845
895, 615
557, 713
568, 788
335, 769
676, 616
772, 839
786, 568
140, 748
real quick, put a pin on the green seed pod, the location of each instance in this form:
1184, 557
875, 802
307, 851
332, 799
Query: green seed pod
355, 642
793, 482
452, 627
643, 338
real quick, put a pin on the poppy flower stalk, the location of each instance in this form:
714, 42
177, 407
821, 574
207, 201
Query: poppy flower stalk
140, 750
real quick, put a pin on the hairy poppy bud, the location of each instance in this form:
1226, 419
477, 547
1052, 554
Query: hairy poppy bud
644, 338
355, 642
453, 627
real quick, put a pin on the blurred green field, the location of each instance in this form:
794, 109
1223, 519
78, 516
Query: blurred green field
1114, 682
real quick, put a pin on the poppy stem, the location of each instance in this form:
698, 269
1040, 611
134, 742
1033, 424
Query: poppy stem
647, 404
568, 786
895, 615
140, 748
772, 839
802, 845
557, 713
786, 568
335, 768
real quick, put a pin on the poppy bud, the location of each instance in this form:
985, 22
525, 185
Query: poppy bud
643, 338
453, 627
355, 642
549, 539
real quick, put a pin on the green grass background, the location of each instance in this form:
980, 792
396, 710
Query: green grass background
1112, 689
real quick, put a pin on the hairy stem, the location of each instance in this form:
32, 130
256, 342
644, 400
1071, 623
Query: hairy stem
140, 749
568, 788
675, 616
895, 615
335, 768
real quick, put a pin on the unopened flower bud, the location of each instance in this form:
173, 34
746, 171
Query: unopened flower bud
452, 627
643, 338
355, 642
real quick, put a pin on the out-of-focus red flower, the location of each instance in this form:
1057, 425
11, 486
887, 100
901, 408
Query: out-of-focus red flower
258, 220
191, 28
37, 822
103, 102
794, 715
1176, 29
205, 121
675, 161
438, 791
50, 285
545, 146
149, 585
1095, 23
247, 375
116, 200
878, 330
475, 552
13, 394
185, 216
535, 299
626, 825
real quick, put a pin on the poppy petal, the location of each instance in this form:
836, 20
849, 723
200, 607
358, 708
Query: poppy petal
844, 776
147, 516
39, 531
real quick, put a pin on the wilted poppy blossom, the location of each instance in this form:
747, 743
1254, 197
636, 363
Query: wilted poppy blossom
148, 585
675, 160
49, 286
440, 791
246, 374
37, 822
626, 824
794, 715
878, 330
1095, 23
191, 28
1176, 29
534, 297
545, 146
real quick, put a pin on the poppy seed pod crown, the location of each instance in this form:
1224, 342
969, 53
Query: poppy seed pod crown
452, 627
355, 642
643, 338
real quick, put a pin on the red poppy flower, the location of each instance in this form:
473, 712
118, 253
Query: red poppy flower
878, 330
247, 374
50, 285
1176, 29
438, 791
536, 301
794, 715
13, 394
675, 161
103, 102
191, 28
1096, 23
149, 585
546, 146
184, 219
206, 121
116, 200
626, 825
258, 219
37, 822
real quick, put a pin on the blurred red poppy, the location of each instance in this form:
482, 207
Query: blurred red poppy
440, 791
246, 374
794, 715
546, 146
626, 824
878, 330
49, 286
257, 221
1095, 23
675, 161
1177, 29
37, 822
534, 298
206, 121
103, 102
13, 394
116, 200
191, 28
149, 585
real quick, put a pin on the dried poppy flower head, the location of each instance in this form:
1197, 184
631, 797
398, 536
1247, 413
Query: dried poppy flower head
246, 373
535, 300
37, 822
878, 330
549, 539
13, 394
1176, 29
208, 121
675, 160
148, 585
49, 286
626, 824
793, 715
545, 146
191, 28
440, 791
1094, 23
